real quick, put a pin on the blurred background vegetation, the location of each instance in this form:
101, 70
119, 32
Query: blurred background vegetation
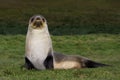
67, 17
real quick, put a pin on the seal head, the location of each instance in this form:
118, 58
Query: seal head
37, 22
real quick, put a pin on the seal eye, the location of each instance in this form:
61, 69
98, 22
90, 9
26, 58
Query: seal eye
43, 19
32, 19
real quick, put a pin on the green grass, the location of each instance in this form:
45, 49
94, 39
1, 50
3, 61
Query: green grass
103, 48
90, 28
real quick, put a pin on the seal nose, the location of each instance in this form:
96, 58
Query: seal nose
37, 23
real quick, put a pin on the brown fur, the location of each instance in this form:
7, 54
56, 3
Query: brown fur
73, 61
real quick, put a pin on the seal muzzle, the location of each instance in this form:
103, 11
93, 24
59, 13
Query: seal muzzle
37, 23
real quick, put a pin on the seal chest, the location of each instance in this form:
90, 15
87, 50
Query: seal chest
38, 47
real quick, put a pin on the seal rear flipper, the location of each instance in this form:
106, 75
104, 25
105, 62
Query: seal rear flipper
92, 64
28, 64
49, 62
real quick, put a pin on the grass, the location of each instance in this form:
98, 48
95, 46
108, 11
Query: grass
90, 28
103, 48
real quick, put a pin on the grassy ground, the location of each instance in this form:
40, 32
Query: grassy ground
103, 48
90, 28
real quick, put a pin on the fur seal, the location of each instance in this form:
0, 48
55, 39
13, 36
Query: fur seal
38, 50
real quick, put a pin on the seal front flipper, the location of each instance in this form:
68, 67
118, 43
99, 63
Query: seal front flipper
49, 62
28, 64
